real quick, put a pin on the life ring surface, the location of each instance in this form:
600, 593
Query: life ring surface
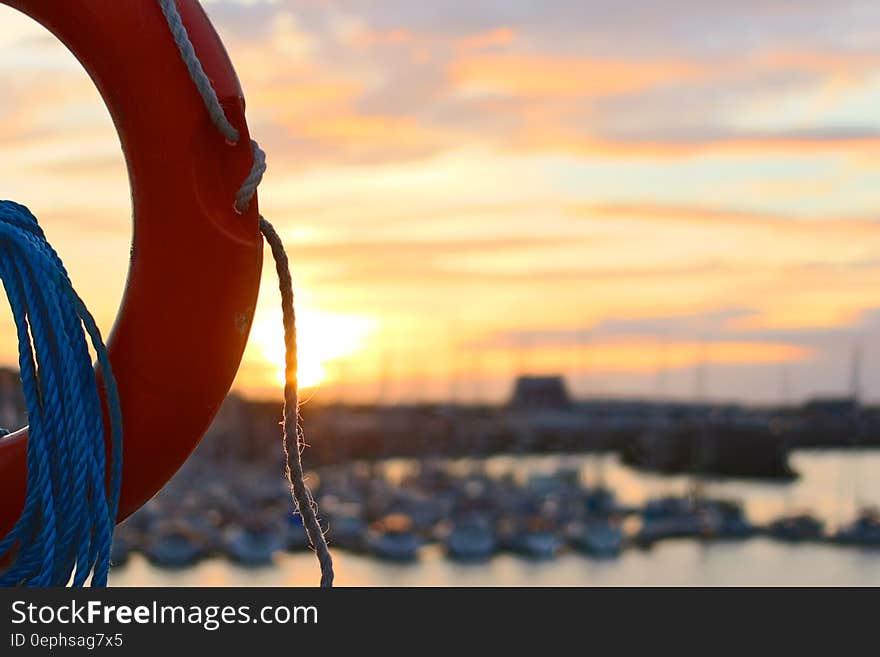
195, 262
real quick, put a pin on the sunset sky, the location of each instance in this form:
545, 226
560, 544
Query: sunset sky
625, 193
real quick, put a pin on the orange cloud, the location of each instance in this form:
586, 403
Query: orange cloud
361, 131
366, 38
502, 36
646, 356
542, 137
494, 38
545, 76
836, 64
845, 227
299, 97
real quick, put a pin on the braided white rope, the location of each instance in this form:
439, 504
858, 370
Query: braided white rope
196, 72
252, 182
302, 497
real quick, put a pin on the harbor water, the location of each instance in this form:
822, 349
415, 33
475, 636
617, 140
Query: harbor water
832, 485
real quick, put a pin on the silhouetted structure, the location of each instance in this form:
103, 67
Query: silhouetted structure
540, 393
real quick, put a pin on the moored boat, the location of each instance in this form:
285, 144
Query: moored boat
174, 547
253, 544
797, 528
536, 538
392, 539
598, 536
864, 531
671, 517
471, 540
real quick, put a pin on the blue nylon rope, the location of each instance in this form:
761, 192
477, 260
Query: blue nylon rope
66, 527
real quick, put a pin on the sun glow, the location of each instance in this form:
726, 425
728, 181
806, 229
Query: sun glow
322, 338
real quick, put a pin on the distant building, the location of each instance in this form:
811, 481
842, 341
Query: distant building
540, 392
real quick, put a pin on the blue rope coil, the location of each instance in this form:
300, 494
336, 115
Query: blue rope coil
66, 528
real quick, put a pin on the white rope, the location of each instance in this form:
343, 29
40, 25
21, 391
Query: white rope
302, 497
196, 72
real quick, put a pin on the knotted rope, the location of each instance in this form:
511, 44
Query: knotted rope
66, 527
302, 497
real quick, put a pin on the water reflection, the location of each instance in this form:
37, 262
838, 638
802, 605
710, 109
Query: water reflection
757, 562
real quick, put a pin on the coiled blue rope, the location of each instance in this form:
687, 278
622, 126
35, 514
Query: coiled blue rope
66, 528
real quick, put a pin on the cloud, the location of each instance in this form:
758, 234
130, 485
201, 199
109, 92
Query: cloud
677, 170
357, 82
702, 332
845, 227
549, 78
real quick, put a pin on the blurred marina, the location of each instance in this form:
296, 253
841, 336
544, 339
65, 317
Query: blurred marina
543, 488
511, 520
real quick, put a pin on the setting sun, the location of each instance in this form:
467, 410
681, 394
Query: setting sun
322, 338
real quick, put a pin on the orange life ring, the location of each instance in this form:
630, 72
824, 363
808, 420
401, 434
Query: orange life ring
195, 262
